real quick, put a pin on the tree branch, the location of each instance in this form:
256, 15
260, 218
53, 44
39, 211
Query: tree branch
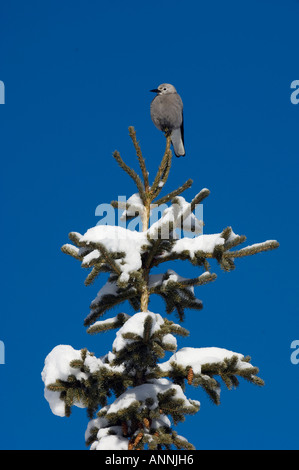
131, 173
141, 160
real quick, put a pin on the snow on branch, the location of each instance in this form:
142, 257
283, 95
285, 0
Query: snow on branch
199, 366
133, 400
178, 216
142, 332
126, 254
69, 376
178, 291
108, 297
108, 324
142, 411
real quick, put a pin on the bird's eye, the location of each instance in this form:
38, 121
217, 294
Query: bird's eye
164, 89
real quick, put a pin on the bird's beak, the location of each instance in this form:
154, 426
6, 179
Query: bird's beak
155, 90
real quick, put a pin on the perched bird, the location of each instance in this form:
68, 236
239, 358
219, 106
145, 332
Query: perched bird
167, 115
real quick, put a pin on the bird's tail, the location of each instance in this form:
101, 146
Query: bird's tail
177, 142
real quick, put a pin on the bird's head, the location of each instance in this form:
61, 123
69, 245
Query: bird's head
164, 89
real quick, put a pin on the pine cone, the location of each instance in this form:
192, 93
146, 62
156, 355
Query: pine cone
190, 376
138, 438
146, 423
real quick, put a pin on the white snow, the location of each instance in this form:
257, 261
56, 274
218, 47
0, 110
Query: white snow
169, 339
232, 236
72, 248
107, 441
163, 420
110, 442
178, 212
95, 423
109, 321
57, 366
205, 243
191, 223
196, 357
132, 243
121, 240
135, 324
135, 205
57, 406
156, 280
174, 277
148, 390
93, 255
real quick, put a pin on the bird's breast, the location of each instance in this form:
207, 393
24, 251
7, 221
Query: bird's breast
166, 111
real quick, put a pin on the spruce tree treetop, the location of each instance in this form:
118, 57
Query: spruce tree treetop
137, 399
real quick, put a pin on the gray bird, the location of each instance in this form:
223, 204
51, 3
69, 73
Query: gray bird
167, 115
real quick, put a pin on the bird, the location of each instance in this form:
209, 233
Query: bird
167, 115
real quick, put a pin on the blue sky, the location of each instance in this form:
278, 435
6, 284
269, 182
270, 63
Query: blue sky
76, 75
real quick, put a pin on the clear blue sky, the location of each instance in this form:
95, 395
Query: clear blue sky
76, 75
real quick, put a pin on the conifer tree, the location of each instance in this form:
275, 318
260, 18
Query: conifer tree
134, 399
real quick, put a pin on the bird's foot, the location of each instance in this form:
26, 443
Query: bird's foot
167, 132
